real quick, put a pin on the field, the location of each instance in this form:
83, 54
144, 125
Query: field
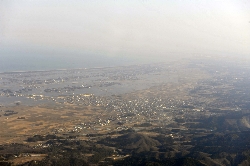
40, 120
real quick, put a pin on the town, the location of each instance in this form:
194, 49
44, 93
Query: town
159, 104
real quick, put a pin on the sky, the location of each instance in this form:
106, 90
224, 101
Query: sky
141, 29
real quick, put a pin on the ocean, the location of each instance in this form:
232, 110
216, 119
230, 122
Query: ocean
40, 63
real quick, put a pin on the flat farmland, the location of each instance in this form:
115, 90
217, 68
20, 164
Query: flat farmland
29, 121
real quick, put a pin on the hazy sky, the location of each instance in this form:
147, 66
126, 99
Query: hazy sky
143, 28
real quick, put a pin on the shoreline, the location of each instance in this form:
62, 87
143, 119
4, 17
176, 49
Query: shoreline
49, 70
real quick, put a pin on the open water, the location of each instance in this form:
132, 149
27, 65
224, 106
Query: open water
41, 63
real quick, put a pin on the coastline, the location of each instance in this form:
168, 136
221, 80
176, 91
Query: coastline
65, 69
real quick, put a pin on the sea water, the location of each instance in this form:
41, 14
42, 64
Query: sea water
43, 62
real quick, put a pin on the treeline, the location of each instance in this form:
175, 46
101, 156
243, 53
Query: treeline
36, 138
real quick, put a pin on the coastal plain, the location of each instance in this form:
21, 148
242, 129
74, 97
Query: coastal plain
106, 116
